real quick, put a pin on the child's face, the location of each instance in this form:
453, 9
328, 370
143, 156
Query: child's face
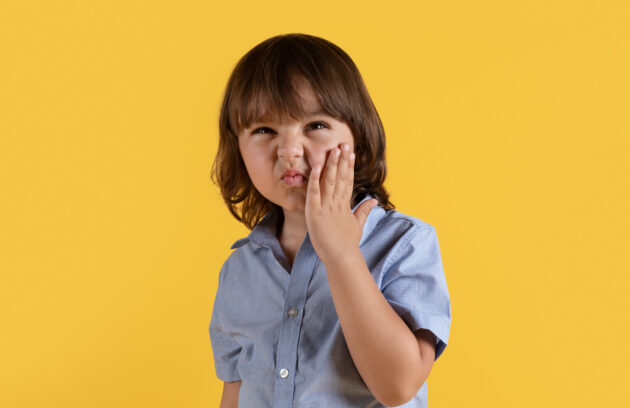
269, 148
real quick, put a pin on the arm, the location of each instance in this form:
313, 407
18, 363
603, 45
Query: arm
393, 361
426, 342
229, 399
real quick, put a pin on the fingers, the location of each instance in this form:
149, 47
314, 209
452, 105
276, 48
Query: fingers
342, 173
337, 182
330, 177
350, 178
312, 189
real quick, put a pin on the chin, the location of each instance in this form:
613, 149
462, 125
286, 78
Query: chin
293, 203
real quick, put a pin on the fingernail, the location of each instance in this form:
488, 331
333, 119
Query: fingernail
346, 147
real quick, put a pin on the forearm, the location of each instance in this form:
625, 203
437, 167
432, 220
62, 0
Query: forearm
382, 346
229, 399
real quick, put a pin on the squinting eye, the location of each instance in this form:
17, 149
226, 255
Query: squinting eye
259, 129
319, 123
314, 126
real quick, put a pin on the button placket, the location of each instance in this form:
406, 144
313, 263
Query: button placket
287, 350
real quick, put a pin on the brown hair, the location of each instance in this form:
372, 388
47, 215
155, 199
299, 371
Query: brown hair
267, 76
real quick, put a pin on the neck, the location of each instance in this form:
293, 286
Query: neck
293, 226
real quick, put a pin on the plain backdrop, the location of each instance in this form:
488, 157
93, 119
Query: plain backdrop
507, 129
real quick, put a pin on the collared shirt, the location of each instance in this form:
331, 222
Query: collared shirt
274, 327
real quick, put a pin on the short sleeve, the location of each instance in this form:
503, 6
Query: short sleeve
224, 348
415, 286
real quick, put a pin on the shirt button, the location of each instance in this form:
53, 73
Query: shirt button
292, 312
284, 373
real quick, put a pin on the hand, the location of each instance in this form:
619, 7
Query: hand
333, 228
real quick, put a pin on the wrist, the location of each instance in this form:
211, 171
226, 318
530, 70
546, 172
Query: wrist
344, 260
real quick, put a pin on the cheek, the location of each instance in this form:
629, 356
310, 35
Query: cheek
255, 165
254, 158
347, 137
260, 161
319, 153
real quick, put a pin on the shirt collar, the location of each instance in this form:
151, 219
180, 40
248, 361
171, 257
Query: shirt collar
266, 229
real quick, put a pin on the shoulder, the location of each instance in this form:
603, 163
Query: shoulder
395, 216
400, 226
236, 260
400, 235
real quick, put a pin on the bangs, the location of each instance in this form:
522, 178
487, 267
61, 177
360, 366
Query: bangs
266, 101
267, 81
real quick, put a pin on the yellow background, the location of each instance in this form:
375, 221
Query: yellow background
508, 130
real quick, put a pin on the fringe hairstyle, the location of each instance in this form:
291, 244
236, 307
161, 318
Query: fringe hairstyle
266, 76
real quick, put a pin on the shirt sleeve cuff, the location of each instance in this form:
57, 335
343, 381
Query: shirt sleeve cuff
417, 319
227, 374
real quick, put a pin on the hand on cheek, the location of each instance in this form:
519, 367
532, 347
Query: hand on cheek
333, 228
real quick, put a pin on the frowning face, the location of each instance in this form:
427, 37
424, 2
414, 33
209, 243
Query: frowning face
272, 147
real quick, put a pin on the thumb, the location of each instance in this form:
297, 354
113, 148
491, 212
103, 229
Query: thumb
364, 209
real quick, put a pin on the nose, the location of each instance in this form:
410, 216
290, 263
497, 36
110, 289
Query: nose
290, 146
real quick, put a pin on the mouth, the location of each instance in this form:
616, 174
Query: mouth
293, 176
296, 180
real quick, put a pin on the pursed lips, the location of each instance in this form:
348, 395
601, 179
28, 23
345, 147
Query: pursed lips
293, 173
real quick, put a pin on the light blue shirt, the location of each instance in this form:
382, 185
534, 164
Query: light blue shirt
275, 328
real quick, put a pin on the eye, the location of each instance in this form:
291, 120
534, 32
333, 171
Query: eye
313, 126
324, 126
262, 128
